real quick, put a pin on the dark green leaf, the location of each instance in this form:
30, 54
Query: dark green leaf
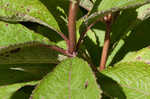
7, 92
14, 77
138, 39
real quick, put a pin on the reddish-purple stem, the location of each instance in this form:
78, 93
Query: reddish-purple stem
108, 20
73, 9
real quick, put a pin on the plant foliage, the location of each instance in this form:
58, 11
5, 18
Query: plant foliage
51, 49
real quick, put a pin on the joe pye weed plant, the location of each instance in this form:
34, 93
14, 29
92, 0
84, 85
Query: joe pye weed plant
74, 49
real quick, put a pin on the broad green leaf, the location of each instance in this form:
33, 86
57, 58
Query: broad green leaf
142, 55
14, 34
103, 7
27, 10
71, 79
18, 44
126, 81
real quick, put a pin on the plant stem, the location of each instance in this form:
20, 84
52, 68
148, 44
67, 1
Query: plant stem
73, 9
56, 48
108, 20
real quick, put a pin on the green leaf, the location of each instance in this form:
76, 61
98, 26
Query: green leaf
126, 81
72, 79
33, 54
142, 55
21, 45
14, 34
27, 10
103, 7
